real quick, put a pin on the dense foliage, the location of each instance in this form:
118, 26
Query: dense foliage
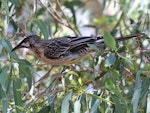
114, 79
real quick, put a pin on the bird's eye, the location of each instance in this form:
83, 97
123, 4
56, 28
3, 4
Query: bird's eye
31, 45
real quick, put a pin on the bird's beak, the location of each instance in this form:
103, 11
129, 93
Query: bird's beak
21, 45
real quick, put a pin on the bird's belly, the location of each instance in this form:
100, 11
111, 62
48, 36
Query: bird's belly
50, 61
66, 60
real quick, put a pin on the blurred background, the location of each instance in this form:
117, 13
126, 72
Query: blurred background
107, 81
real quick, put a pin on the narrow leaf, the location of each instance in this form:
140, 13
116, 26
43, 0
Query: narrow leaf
99, 98
93, 47
148, 104
137, 92
14, 2
4, 105
25, 71
109, 40
17, 94
147, 53
45, 109
110, 60
77, 106
43, 27
65, 103
95, 106
8, 47
71, 4
3, 73
6, 7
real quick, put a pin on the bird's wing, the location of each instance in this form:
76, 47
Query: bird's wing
64, 46
57, 48
83, 41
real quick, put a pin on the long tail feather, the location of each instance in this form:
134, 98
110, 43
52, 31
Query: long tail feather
100, 42
129, 37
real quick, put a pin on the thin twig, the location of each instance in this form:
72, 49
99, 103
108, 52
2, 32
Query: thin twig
51, 13
43, 78
56, 17
20, 27
55, 12
57, 1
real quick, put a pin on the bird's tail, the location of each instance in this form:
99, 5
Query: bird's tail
101, 43
129, 37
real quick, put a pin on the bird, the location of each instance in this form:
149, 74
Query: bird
64, 50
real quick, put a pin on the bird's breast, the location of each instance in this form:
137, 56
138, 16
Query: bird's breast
63, 60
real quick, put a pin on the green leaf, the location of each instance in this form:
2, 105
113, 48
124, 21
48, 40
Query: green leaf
93, 46
77, 106
72, 73
121, 49
45, 110
65, 103
118, 105
109, 84
43, 27
4, 105
8, 47
9, 80
17, 94
110, 60
148, 103
144, 90
137, 92
71, 4
6, 7
147, 53
99, 98
51, 99
115, 74
109, 40
25, 71
22, 86
14, 2
95, 106
3, 73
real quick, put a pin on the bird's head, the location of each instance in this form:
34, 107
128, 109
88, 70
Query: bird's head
28, 42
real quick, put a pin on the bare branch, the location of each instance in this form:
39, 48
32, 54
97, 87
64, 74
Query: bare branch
56, 16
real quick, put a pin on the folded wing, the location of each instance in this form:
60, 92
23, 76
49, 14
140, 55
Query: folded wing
65, 46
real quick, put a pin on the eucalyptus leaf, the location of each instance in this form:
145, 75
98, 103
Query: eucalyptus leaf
109, 40
65, 103
4, 105
15, 2
147, 53
3, 75
43, 27
8, 47
77, 106
110, 60
17, 94
137, 92
25, 71
99, 98
45, 109
71, 4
